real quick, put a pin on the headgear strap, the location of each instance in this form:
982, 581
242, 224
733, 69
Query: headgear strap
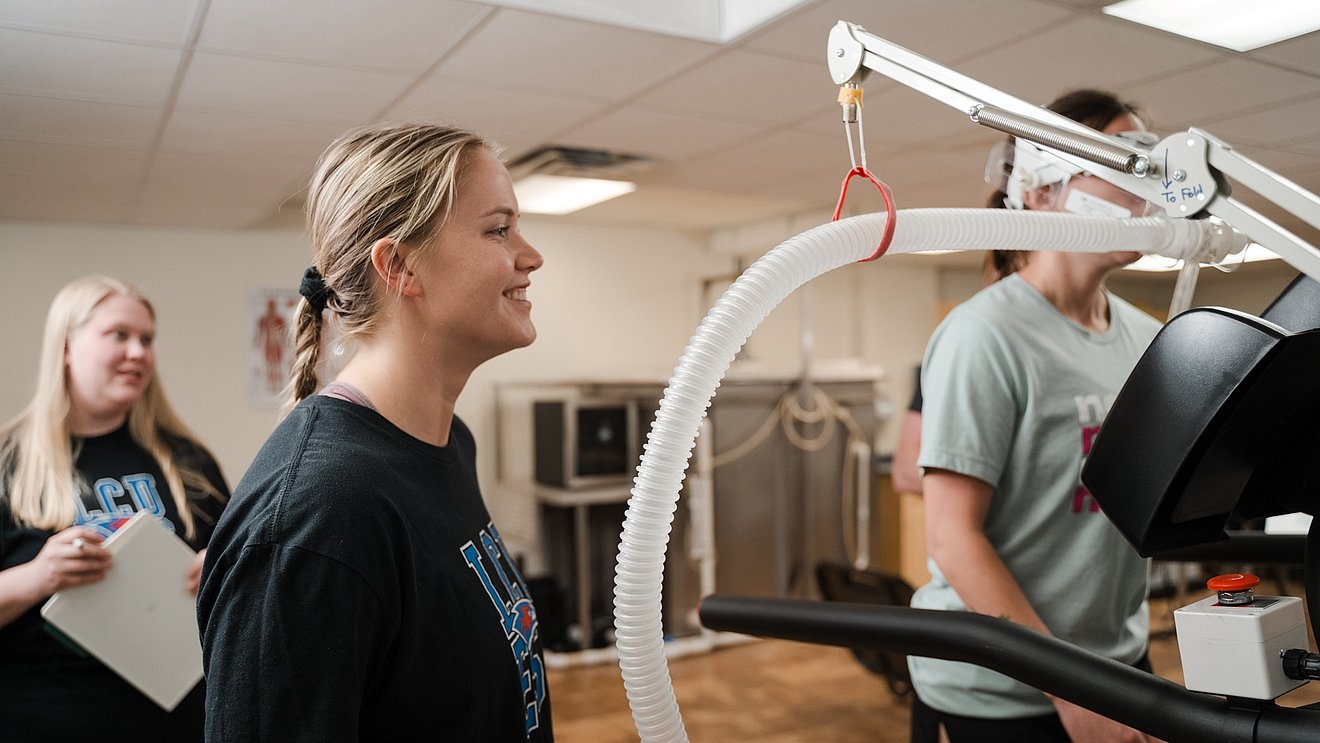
314, 290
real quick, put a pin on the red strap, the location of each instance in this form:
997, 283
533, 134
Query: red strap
890, 212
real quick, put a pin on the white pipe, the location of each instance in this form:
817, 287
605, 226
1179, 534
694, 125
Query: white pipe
806, 346
861, 454
1184, 288
638, 578
704, 547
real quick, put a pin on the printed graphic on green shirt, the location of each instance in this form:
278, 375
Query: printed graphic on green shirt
1091, 412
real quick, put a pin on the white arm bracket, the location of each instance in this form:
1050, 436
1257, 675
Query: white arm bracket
1186, 174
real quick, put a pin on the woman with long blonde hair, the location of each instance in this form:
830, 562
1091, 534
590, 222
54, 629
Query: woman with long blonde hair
98, 442
356, 588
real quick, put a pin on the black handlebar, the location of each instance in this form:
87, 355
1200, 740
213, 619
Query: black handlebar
1244, 547
1119, 692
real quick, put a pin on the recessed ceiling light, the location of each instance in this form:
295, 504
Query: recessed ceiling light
1233, 24
558, 194
705, 20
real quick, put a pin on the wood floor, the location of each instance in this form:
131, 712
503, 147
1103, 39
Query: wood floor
766, 690
779, 692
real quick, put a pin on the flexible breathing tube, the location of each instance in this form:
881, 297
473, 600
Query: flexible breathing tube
766, 283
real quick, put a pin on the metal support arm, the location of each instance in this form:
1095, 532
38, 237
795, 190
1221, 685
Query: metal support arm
1187, 174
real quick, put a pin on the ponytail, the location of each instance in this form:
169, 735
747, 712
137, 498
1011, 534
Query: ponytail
307, 335
307, 353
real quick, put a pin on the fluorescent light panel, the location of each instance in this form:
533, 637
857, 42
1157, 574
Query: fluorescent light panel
705, 20
557, 194
1253, 252
1156, 263
1234, 24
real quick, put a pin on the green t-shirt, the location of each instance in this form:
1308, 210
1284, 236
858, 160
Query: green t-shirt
1014, 395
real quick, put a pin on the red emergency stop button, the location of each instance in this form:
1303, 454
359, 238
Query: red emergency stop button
1234, 589
1232, 582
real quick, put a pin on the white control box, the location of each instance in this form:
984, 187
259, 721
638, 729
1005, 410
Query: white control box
1236, 650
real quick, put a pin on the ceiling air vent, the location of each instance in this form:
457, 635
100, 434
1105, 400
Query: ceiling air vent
562, 180
579, 162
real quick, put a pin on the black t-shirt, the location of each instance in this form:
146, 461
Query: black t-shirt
915, 403
51, 691
356, 589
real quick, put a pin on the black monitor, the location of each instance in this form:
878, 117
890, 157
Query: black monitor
1298, 307
1220, 415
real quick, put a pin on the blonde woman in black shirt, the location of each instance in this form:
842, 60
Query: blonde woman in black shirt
97, 443
357, 588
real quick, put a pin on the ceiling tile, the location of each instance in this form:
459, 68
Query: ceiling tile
743, 132
57, 198
911, 168
42, 158
217, 191
527, 51
1274, 126
1301, 53
662, 136
1039, 68
965, 193
784, 164
745, 86
41, 119
293, 91
700, 209
125, 20
244, 136
85, 69
922, 27
518, 121
1312, 147
401, 35
693, 19
63, 182
1222, 90
1085, 4
902, 117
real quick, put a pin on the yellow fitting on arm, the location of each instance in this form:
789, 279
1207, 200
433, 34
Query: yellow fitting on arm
850, 95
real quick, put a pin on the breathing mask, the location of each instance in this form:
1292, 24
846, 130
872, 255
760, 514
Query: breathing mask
1016, 166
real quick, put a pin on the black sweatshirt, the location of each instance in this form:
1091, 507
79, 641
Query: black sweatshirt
51, 692
356, 589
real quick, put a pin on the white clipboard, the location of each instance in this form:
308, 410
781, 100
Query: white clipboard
139, 620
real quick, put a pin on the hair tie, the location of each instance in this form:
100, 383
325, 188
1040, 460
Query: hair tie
314, 290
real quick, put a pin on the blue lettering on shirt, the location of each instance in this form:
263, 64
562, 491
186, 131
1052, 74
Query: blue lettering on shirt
114, 500
516, 613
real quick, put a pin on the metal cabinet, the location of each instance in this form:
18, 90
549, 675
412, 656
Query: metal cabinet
778, 510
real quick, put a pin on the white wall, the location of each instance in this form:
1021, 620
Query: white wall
880, 313
607, 301
198, 282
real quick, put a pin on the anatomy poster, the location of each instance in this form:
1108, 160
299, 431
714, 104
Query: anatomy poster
270, 345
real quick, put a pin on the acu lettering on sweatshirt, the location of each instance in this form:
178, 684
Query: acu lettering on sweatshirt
516, 614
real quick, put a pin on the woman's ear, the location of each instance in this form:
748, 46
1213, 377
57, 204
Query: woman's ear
390, 259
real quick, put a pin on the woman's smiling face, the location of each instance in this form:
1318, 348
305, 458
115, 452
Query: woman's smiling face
476, 275
109, 359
